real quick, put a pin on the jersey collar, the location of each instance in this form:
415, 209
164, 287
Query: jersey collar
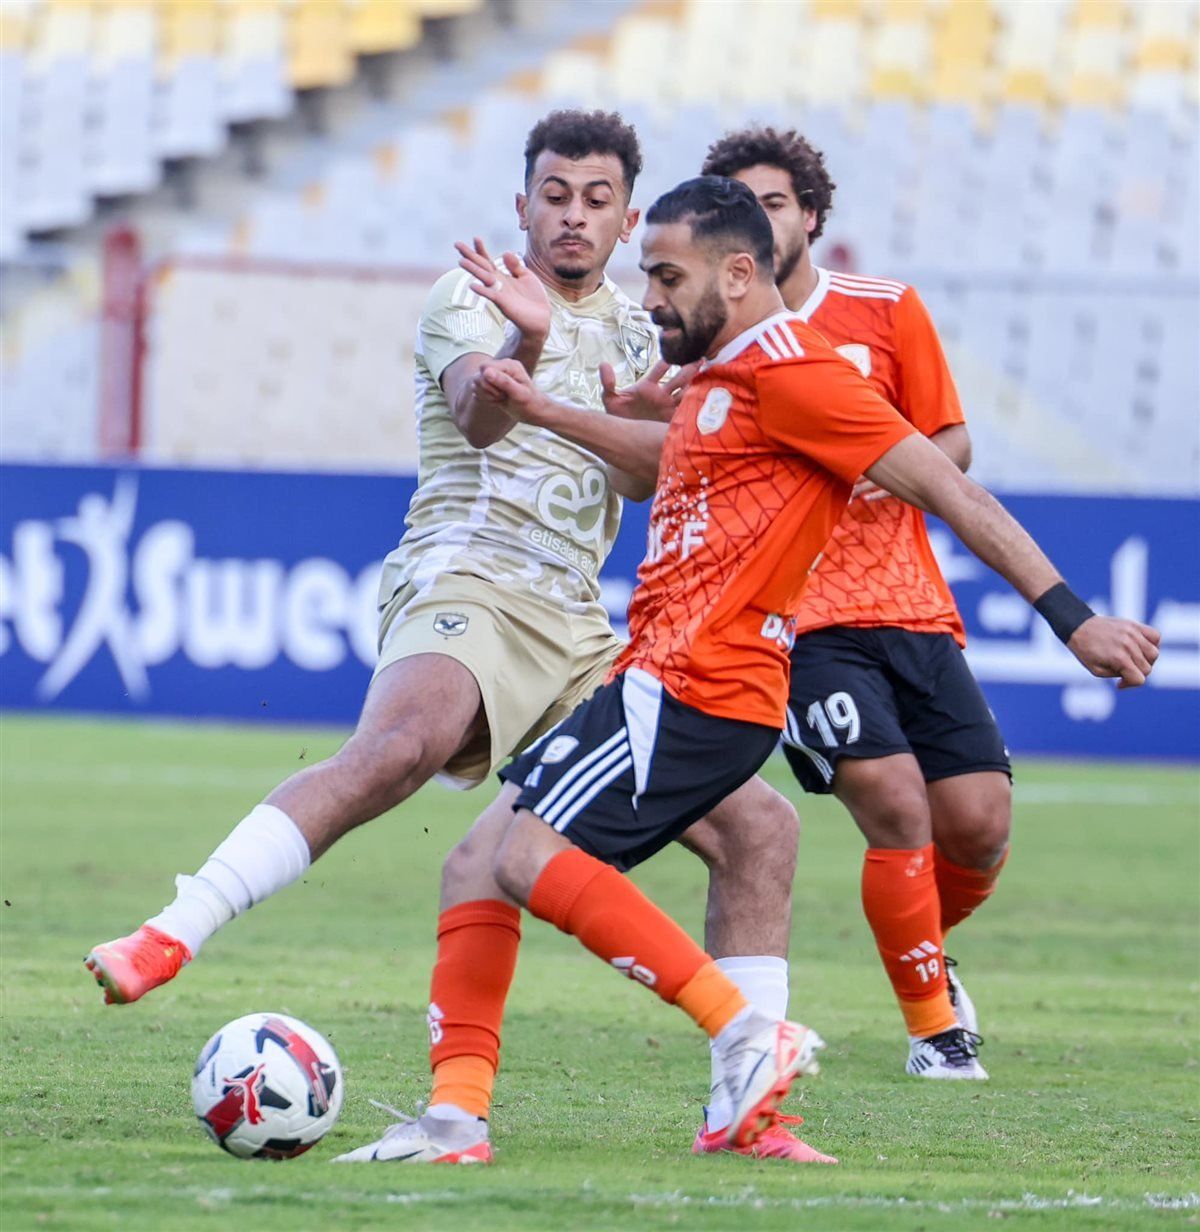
816, 297
737, 345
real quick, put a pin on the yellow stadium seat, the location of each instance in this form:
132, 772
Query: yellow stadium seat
837, 10
14, 27
318, 45
383, 25
1164, 34
1090, 13
899, 59
187, 28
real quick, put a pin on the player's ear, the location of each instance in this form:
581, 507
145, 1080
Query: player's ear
740, 274
523, 211
810, 220
631, 220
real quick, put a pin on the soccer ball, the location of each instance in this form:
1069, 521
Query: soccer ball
267, 1087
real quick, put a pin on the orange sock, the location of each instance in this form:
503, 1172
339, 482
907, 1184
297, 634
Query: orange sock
477, 954
900, 899
961, 890
582, 896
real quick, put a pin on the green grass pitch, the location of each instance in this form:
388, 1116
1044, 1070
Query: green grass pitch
1084, 969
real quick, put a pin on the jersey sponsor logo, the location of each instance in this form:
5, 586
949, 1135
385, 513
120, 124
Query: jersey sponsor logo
858, 353
559, 748
575, 507
451, 624
779, 629
714, 412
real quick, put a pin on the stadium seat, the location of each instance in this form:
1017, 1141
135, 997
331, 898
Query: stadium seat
319, 49
383, 25
187, 117
121, 158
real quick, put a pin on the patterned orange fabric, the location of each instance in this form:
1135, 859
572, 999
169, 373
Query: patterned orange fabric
878, 568
755, 472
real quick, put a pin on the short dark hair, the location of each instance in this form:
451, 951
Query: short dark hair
752, 147
576, 134
723, 211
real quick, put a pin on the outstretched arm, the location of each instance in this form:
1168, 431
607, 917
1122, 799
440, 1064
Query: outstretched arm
630, 446
917, 471
478, 411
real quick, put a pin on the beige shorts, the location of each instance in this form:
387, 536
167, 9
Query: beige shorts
533, 661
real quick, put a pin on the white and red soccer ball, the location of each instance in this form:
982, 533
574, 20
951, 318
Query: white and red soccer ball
267, 1086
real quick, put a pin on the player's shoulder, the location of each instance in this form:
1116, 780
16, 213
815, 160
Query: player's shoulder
453, 291
864, 287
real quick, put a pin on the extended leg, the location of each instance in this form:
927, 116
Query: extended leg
418, 713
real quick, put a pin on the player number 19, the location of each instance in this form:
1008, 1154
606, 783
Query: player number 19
837, 711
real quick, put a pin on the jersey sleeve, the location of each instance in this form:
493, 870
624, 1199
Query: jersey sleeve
927, 396
822, 407
457, 322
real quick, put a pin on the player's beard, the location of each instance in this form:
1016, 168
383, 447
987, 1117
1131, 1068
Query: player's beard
786, 262
694, 337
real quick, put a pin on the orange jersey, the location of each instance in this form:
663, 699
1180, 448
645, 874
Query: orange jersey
878, 567
756, 470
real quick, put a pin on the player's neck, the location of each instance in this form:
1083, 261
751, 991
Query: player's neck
572, 290
763, 302
800, 283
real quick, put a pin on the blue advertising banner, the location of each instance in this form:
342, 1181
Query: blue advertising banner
128, 590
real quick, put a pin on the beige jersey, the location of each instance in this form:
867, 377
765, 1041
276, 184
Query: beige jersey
532, 510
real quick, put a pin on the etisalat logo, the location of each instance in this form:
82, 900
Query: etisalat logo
146, 601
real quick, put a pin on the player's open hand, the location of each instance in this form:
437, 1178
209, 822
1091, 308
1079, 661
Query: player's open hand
653, 397
515, 290
507, 379
1109, 646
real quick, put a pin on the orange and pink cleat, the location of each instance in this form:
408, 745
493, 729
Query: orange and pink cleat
775, 1142
130, 967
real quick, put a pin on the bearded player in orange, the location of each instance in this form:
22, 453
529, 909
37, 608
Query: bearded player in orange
884, 712
756, 469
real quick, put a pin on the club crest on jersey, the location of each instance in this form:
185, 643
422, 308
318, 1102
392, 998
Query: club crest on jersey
859, 354
450, 624
636, 344
714, 411
558, 749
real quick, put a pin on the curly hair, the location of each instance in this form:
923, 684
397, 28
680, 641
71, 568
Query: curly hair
752, 147
576, 134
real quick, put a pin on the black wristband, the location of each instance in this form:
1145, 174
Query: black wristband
1063, 610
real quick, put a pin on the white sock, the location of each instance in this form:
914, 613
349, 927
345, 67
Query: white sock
763, 980
264, 853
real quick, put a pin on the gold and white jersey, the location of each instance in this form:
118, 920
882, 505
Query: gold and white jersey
533, 510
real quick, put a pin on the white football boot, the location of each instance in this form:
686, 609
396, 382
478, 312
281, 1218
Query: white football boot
964, 1007
950, 1054
425, 1139
761, 1060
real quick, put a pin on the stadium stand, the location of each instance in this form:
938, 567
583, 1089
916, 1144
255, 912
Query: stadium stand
1032, 167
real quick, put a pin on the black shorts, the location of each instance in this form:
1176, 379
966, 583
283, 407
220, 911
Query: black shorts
631, 768
875, 692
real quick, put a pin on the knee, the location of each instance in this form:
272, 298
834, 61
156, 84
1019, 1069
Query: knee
382, 763
760, 842
982, 844
508, 868
461, 868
